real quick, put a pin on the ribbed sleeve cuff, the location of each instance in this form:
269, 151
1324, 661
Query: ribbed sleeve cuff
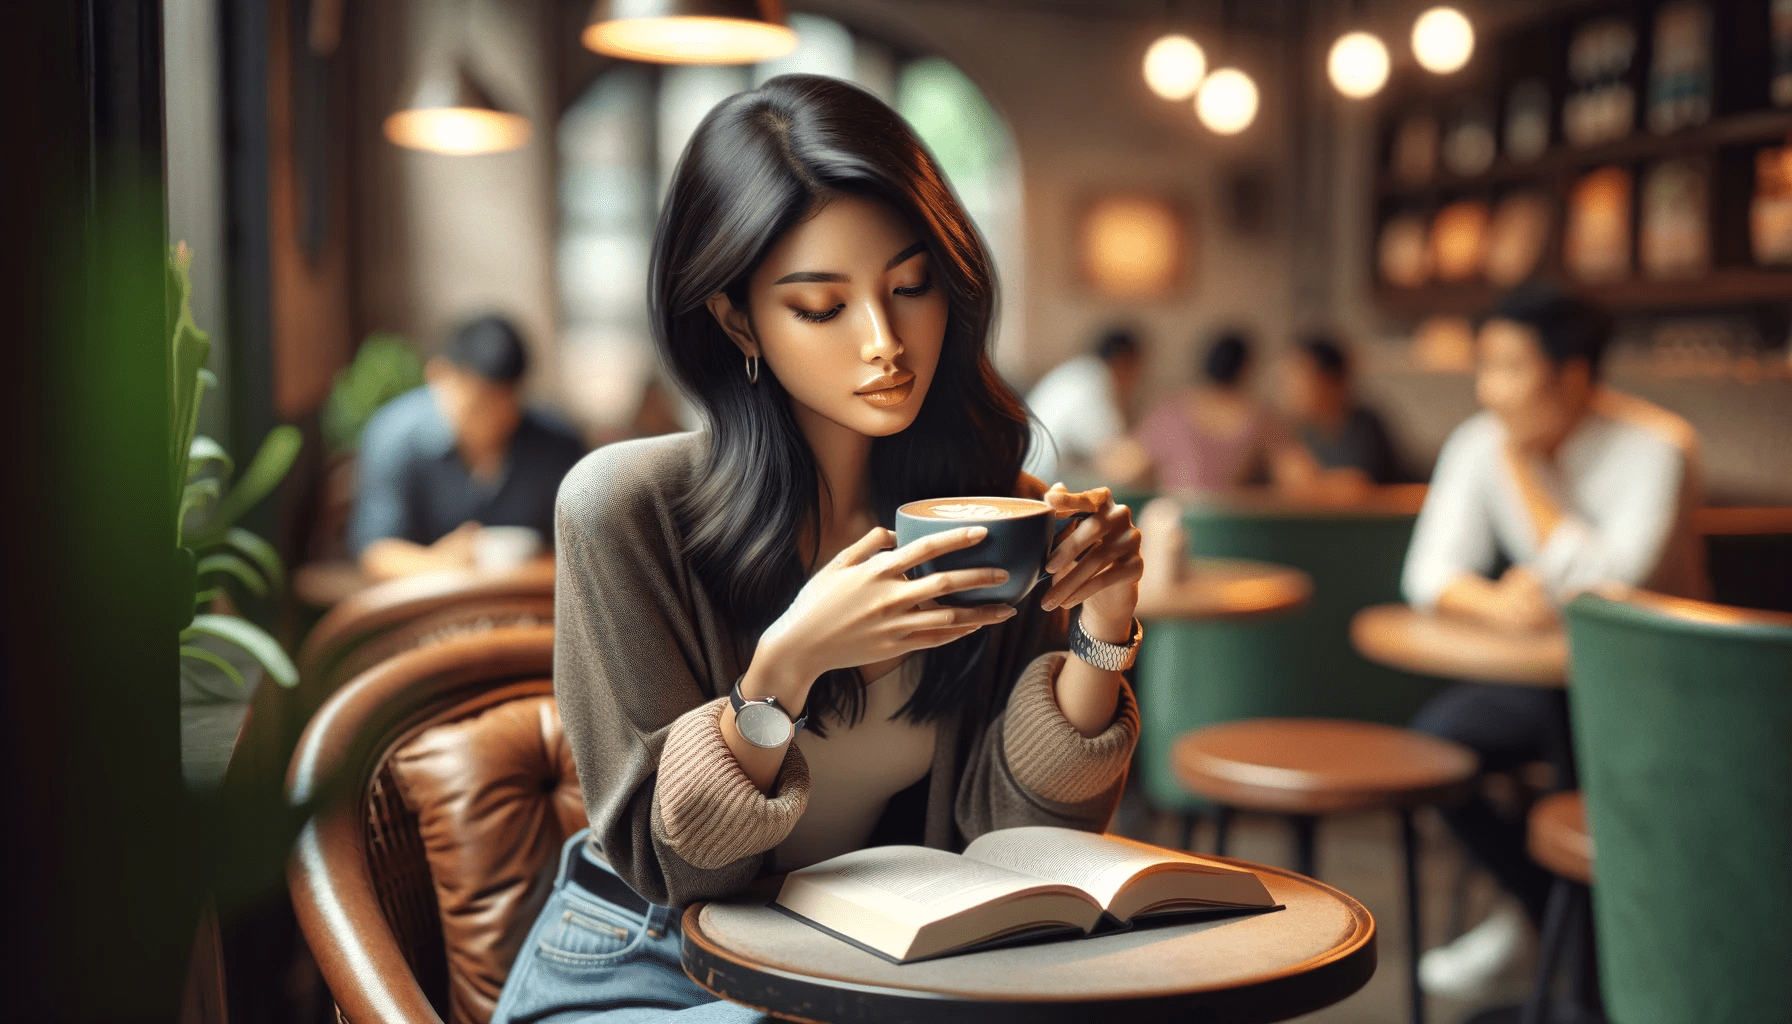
1046, 753
712, 813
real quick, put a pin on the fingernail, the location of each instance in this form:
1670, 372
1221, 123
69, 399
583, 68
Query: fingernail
1000, 575
977, 532
1010, 613
1049, 603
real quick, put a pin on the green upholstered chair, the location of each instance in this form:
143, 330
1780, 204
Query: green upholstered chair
1193, 674
1682, 716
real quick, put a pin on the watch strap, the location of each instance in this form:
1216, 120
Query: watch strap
737, 701
1100, 653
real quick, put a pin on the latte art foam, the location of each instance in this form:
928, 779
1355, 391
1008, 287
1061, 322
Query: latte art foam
973, 509
964, 510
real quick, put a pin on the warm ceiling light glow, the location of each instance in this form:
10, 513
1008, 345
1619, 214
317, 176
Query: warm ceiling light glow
1227, 102
690, 40
1132, 247
1358, 65
1174, 67
1442, 40
458, 131
450, 111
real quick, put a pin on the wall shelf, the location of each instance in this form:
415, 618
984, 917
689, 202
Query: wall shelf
1722, 288
1754, 126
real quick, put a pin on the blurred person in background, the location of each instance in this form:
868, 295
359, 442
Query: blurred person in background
461, 452
1211, 437
1573, 486
1079, 408
1343, 437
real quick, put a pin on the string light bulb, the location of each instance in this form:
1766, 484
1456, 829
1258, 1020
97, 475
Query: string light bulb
1358, 65
1174, 66
1227, 101
1443, 40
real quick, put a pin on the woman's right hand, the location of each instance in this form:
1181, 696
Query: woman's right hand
861, 608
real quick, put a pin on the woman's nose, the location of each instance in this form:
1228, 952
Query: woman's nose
879, 342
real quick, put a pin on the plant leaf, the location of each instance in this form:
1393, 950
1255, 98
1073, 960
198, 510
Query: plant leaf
195, 495
203, 451
251, 638
245, 573
258, 551
216, 661
263, 474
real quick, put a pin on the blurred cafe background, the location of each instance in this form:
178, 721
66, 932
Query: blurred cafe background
1246, 253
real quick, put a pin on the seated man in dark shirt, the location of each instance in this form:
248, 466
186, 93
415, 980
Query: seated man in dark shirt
459, 453
1338, 432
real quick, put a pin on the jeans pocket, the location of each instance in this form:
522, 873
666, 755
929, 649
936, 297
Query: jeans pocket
591, 934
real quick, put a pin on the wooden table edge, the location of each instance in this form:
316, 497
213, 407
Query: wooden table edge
1170, 606
1319, 981
1397, 659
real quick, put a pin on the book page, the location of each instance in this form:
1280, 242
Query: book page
1105, 866
1097, 864
907, 901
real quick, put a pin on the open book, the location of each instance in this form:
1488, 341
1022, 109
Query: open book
908, 903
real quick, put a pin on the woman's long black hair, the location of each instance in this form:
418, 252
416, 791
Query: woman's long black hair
759, 163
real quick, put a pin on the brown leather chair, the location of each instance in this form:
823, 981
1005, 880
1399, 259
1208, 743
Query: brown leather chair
368, 627
440, 790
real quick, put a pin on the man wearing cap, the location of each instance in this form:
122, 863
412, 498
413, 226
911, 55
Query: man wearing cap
459, 453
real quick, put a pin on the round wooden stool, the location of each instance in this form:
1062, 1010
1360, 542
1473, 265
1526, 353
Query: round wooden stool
1306, 767
1557, 838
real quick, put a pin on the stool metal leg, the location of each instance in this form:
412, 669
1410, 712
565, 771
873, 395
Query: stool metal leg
1557, 914
1188, 830
1409, 843
1306, 841
1222, 827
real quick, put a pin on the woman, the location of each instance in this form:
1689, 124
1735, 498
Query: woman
826, 302
1214, 437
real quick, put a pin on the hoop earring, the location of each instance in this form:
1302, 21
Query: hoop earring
752, 369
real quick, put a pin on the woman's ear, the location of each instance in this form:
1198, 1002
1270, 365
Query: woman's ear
734, 321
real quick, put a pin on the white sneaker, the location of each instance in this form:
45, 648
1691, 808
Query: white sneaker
1467, 967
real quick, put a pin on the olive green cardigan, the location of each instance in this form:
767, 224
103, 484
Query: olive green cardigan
643, 661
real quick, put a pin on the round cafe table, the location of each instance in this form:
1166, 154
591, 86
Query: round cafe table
1226, 588
1435, 645
1249, 968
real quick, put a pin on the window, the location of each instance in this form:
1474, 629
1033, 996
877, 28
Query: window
620, 141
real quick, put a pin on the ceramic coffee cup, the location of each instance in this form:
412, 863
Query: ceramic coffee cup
503, 548
1021, 532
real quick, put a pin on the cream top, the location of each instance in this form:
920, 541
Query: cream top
854, 772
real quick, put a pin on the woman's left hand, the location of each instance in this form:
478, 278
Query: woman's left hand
1096, 563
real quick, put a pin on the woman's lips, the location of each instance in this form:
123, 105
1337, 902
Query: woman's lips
885, 398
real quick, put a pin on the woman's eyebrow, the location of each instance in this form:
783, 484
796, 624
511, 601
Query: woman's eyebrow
833, 277
902, 257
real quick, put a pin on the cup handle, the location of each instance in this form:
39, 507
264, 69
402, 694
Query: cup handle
1068, 522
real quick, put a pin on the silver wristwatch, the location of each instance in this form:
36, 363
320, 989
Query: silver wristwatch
762, 721
1100, 653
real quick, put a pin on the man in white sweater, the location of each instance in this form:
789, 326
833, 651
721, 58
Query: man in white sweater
1570, 486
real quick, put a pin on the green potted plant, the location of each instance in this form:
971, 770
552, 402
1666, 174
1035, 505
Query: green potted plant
210, 547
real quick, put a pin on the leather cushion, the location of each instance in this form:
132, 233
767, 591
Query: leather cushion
496, 795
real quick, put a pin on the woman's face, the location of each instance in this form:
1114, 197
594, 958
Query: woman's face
849, 313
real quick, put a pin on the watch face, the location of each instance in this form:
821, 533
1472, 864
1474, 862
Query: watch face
763, 725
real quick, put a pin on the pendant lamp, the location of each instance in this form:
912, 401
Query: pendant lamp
451, 112
689, 31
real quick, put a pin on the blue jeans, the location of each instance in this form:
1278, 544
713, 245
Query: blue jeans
588, 960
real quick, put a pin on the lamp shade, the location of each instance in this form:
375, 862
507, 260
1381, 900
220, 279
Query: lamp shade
451, 112
689, 31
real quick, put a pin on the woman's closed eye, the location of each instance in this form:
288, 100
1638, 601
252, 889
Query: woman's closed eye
814, 317
914, 291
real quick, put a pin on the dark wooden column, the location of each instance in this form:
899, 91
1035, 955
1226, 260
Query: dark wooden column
99, 904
